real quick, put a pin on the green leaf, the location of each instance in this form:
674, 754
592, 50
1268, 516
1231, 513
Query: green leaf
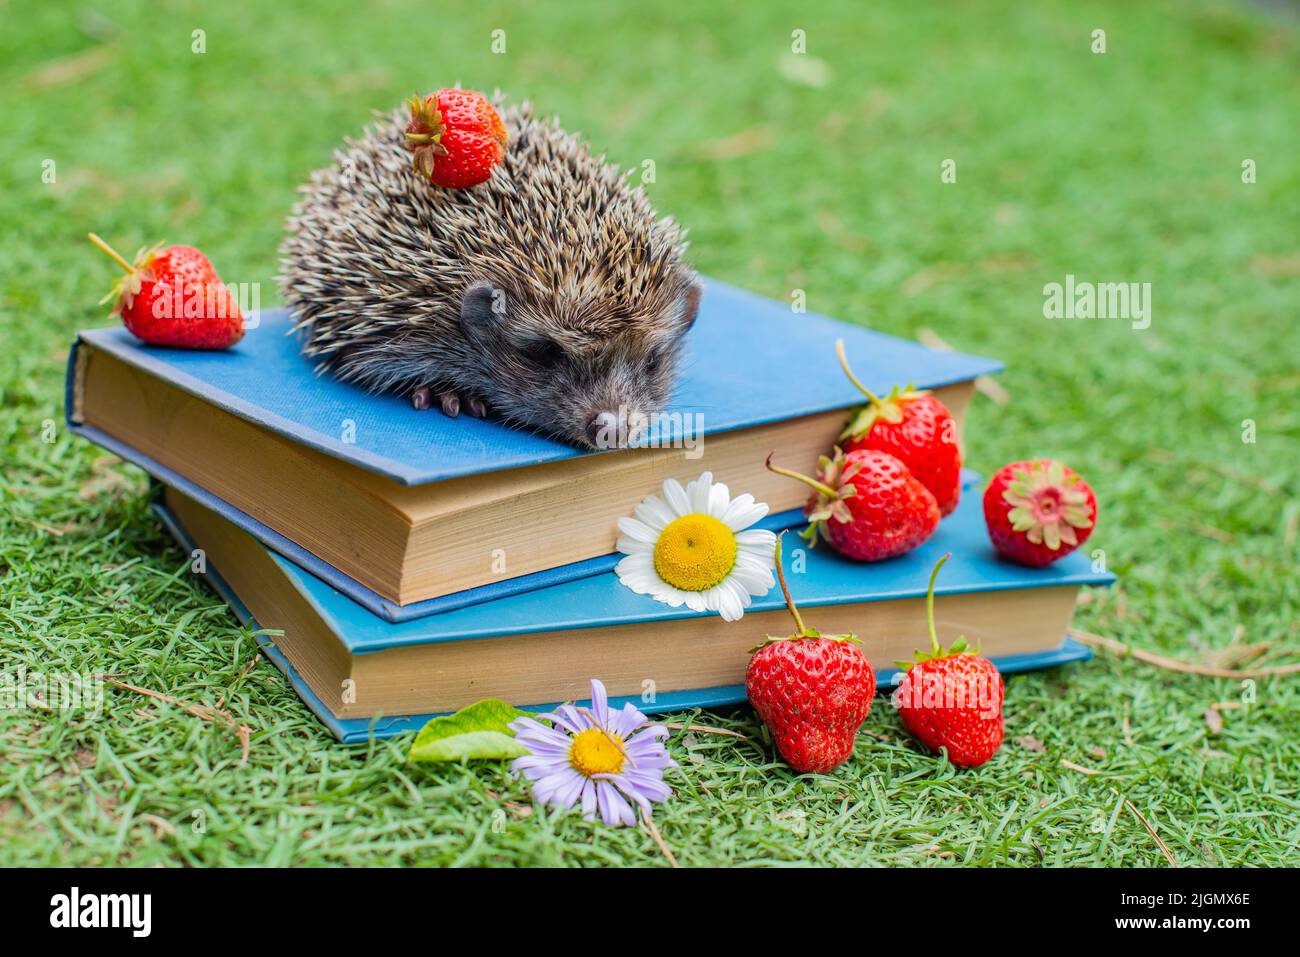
475, 732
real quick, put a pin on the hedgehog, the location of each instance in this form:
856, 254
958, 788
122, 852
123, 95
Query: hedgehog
552, 296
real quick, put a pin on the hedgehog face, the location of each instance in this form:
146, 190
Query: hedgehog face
589, 374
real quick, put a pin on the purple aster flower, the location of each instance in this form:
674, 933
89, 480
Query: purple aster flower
603, 758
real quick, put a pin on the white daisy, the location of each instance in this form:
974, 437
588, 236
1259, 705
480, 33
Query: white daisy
694, 547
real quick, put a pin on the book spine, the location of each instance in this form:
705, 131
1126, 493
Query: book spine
74, 384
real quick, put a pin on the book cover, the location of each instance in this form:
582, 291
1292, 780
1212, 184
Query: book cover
599, 600
371, 600
738, 372
369, 630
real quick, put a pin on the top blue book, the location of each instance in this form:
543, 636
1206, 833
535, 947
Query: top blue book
748, 362
413, 513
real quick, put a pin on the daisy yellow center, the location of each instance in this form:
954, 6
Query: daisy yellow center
595, 752
695, 552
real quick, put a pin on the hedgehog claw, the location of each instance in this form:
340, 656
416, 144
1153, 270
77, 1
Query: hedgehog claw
450, 404
422, 397
475, 407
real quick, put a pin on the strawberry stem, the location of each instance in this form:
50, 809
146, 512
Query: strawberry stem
929, 606
112, 253
819, 486
844, 364
785, 590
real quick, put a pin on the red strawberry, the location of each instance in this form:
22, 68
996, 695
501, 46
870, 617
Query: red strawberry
867, 505
915, 428
812, 690
951, 699
1038, 511
171, 296
456, 136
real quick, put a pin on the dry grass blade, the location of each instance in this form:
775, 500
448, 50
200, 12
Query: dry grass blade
70, 69
705, 729
1079, 767
1174, 664
202, 711
658, 838
1164, 848
160, 826
734, 146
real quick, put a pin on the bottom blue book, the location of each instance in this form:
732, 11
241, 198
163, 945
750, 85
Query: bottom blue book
364, 676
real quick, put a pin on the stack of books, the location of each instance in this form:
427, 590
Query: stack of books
407, 564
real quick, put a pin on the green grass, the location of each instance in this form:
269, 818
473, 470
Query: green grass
1117, 167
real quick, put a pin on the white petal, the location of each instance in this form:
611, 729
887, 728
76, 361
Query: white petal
676, 498
699, 491
643, 583
719, 500
755, 581
746, 597
669, 596
757, 538
695, 600
635, 566
744, 512
729, 605
630, 546
654, 513
637, 530
756, 557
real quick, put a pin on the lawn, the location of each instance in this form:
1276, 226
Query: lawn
819, 172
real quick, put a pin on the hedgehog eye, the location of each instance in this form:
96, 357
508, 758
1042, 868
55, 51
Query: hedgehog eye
546, 353
652, 361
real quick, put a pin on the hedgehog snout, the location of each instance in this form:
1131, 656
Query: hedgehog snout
608, 429
602, 430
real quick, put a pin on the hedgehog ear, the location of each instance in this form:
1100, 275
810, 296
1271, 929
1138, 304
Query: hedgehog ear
481, 308
691, 304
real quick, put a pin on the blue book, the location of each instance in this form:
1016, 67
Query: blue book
362, 674
411, 513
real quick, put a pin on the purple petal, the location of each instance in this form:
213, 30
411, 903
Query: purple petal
651, 787
613, 809
547, 789
568, 719
624, 722
533, 766
569, 794
599, 702
626, 786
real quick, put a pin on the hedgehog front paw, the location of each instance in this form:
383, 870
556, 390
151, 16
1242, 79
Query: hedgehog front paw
451, 403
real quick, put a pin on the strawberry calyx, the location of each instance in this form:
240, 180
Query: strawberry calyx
801, 630
833, 484
888, 409
959, 647
125, 288
1047, 505
424, 132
